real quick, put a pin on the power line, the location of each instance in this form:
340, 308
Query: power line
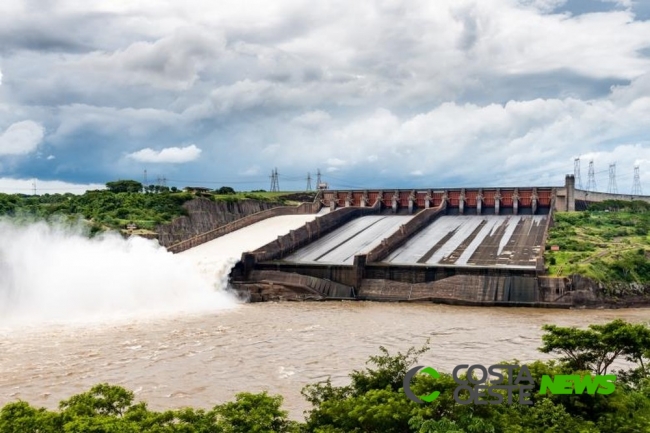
611, 187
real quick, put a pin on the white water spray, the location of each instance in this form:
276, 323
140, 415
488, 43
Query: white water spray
51, 273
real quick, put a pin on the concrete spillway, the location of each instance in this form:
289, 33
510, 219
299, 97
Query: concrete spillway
356, 237
217, 256
492, 240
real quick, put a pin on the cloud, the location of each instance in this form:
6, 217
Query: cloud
251, 171
312, 118
175, 155
459, 90
172, 62
21, 138
26, 186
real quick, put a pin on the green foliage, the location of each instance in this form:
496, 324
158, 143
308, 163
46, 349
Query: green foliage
102, 209
606, 244
225, 190
254, 413
596, 348
124, 186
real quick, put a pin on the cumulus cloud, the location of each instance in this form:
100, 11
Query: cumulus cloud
175, 155
21, 138
372, 91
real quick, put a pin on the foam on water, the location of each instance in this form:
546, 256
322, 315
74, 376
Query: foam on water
49, 273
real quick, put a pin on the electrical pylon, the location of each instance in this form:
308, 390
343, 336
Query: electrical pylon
591, 177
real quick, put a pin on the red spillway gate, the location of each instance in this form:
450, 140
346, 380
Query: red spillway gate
437, 199
525, 197
488, 198
506, 197
372, 196
470, 198
454, 198
388, 199
420, 196
544, 197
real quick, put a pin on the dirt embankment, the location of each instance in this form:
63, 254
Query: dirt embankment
585, 292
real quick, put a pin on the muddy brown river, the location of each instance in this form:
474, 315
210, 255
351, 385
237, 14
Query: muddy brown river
203, 359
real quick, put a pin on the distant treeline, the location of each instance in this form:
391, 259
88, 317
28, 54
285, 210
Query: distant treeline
102, 209
122, 203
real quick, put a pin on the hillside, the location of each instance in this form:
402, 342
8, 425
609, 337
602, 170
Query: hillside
608, 243
106, 209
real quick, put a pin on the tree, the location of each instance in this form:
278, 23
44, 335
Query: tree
596, 348
124, 186
225, 190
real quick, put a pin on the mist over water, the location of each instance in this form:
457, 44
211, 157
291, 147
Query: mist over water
53, 273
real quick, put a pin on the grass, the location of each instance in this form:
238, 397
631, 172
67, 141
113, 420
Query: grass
607, 246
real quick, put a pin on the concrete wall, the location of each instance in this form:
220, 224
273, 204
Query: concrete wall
320, 286
593, 196
541, 269
567, 196
343, 274
420, 274
511, 290
304, 208
406, 231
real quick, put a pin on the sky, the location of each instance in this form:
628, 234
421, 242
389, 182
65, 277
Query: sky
374, 94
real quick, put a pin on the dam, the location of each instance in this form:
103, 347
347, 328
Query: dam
470, 246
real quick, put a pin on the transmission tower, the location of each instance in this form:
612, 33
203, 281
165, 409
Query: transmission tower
576, 172
318, 179
162, 181
636, 187
611, 188
308, 182
275, 183
145, 177
33, 186
591, 177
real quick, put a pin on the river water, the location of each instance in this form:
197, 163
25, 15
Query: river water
204, 359
75, 312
